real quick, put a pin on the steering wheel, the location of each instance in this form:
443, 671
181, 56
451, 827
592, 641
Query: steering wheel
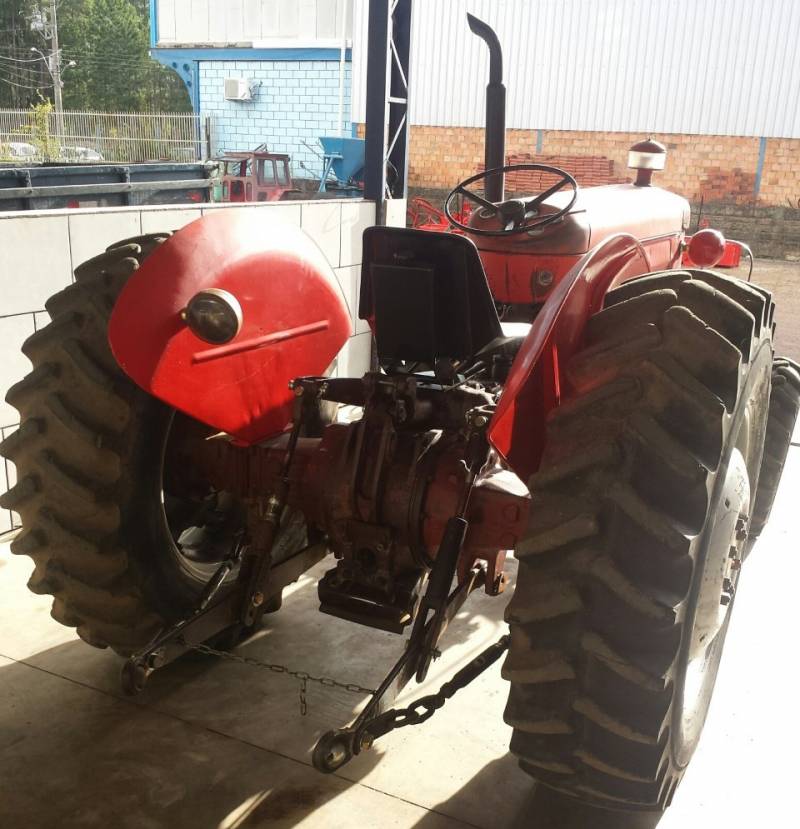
516, 215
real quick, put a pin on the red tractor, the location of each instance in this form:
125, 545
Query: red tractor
182, 458
255, 176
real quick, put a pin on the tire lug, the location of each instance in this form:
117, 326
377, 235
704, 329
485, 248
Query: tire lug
741, 528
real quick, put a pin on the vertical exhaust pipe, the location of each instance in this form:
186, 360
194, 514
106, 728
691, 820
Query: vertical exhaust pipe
495, 109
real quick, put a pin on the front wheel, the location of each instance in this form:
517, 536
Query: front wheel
639, 520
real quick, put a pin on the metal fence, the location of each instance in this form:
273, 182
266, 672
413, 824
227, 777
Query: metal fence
85, 137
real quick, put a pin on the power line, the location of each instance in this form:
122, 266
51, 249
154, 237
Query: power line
21, 60
25, 86
32, 77
8, 74
23, 71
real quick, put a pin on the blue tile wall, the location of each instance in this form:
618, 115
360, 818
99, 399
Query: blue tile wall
294, 101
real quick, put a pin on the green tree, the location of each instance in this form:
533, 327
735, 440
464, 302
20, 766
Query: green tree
108, 41
22, 74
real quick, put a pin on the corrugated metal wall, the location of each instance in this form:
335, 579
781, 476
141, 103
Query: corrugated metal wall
718, 67
248, 21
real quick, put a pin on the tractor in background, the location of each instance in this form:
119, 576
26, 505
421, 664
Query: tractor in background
550, 382
255, 176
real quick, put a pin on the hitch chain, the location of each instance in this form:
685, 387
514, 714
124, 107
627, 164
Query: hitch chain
425, 707
336, 748
303, 676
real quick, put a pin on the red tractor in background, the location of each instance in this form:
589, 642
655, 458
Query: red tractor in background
255, 176
182, 457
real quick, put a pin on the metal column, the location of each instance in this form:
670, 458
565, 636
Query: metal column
387, 127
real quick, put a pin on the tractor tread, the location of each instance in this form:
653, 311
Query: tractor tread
70, 451
617, 509
783, 412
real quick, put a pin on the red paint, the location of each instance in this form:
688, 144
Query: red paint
259, 342
706, 248
516, 278
731, 257
294, 321
534, 384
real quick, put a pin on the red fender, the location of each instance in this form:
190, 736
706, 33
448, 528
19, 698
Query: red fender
294, 321
534, 384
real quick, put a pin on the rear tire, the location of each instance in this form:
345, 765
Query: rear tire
90, 458
784, 405
618, 612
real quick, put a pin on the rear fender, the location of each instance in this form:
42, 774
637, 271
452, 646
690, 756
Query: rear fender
535, 383
294, 321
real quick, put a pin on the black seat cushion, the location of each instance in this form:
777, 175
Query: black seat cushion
428, 295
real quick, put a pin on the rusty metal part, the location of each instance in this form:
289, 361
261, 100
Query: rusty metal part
382, 490
336, 748
215, 617
266, 516
258, 579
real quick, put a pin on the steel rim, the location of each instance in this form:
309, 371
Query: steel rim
697, 680
203, 530
714, 601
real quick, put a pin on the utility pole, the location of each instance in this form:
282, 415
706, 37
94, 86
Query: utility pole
46, 23
55, 70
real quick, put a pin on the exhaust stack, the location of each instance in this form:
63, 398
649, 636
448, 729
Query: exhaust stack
495, 109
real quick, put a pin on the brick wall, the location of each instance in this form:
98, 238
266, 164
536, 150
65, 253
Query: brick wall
715, 168
294, 101
780, 181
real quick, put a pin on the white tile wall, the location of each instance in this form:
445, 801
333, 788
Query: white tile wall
14, 365
154, 221
39, 251
36, 262
282, 212
92, 233
323, 223
8, 477
361, 326
354, 223
349, 279
355, 358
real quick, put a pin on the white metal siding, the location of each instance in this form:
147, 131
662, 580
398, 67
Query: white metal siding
718, 67
256, 22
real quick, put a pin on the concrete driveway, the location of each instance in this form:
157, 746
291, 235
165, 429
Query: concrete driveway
783, 279
224, 746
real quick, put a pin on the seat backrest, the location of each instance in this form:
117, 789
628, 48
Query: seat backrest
426, 294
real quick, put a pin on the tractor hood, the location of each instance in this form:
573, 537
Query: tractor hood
524, 269
598, 213
292, 321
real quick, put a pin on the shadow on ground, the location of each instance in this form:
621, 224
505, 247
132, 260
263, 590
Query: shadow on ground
208, 744
543, 808
73, 757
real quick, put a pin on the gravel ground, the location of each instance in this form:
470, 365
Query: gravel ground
783, 279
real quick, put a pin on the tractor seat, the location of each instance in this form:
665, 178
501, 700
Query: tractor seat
427, 296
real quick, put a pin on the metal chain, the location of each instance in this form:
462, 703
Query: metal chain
425, 707
303, 676
415, 714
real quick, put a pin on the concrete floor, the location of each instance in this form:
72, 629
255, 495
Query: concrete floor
223, 745
783, 279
